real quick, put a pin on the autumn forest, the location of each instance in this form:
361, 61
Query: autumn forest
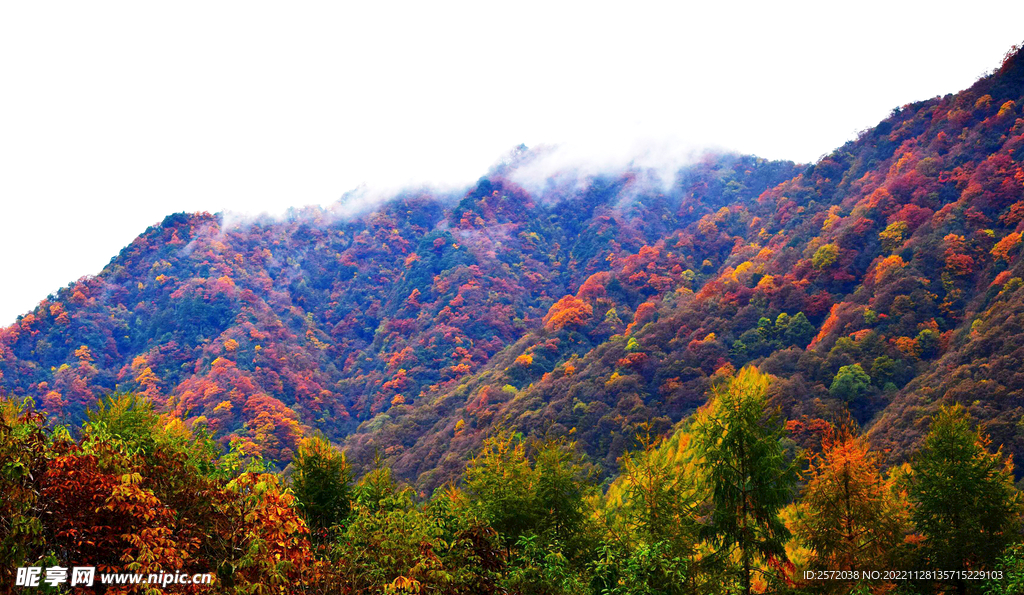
764, 377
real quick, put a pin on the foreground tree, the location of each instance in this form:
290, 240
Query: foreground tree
321, 484
651, 521
537, 507
963, 497
502, 482
562, 484
849, 515
748, 473
23, 445
1012, 580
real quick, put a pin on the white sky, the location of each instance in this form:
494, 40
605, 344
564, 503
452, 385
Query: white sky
115, 114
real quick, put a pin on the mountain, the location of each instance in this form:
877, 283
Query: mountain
266, 330
884, 280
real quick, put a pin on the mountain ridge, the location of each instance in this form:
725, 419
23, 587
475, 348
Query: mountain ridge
882, 279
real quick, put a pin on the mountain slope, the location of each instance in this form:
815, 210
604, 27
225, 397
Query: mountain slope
883, 279
267, 330
862, 283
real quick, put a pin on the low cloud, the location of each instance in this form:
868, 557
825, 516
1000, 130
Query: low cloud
570, 166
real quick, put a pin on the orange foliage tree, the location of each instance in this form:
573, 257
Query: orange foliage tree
570, 311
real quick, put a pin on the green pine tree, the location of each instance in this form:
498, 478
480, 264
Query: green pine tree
749, 475
963, 497
321, 484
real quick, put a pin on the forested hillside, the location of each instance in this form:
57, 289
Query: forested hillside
266, 330
759, 372
882, 279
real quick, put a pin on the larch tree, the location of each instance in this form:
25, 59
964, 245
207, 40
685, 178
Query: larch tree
749, 475
651, 517
849, 515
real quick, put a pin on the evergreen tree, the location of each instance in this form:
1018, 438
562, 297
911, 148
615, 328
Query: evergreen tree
502, 483
521, 498
800, 331
321, 484
963, 497
562, 485
748, 474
